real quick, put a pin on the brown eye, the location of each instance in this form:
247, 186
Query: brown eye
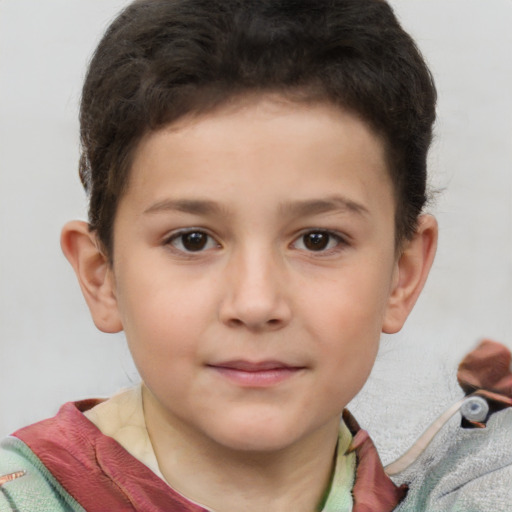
318, 241
193, 241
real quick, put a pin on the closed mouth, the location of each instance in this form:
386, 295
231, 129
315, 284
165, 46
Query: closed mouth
251, 367
261, 374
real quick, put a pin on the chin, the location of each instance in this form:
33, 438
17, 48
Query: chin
257, 445
258, 437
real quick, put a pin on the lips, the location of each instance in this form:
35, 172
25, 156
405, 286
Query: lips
247, 366
255, 374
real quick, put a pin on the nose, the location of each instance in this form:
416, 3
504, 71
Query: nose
255, 296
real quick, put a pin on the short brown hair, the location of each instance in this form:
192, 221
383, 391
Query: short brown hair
163, 59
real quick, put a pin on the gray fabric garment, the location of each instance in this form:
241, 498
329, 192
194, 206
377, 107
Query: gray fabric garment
463, 470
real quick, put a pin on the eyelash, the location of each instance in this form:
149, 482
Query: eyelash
332, 236
177, 238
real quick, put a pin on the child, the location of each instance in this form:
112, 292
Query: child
256, 173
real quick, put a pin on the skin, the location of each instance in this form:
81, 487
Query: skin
254, 269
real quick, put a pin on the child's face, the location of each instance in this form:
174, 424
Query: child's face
254, 260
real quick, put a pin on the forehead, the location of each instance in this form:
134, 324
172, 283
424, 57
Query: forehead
269, 123
262, 143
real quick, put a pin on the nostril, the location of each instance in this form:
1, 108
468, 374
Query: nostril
272, 323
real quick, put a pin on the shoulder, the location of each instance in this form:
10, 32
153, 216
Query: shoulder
54, 456
62, 460
70, 465
32, 486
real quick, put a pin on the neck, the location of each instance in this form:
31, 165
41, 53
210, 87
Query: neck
222, 479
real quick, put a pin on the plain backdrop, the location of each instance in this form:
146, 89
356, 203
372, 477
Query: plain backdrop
51, 353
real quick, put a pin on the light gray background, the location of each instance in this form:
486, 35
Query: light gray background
50, 351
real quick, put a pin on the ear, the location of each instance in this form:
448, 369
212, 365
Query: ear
411, 272
94, 273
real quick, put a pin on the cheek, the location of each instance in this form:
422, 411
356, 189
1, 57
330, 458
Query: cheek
352, 304
162, 318
346, 321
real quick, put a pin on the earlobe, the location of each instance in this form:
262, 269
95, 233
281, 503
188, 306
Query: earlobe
94, 274
412, 271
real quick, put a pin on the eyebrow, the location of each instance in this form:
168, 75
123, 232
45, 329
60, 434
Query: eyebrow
193, 206
329, 204
293, 208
